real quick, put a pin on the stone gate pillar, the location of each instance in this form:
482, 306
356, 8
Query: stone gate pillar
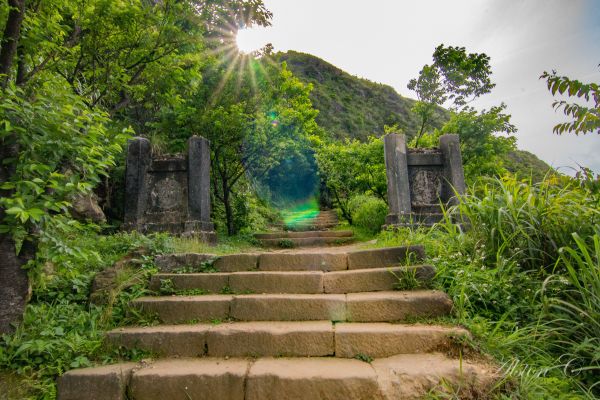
169, 193
455, 176
396, 168
421, 180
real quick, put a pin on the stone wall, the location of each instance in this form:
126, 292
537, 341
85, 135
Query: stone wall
419, 180
169, 193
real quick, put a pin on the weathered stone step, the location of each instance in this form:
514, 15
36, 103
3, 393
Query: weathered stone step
291, 339
307, 282
354, 307
304, 234
409, 376
305, 242
318, 261
310, 227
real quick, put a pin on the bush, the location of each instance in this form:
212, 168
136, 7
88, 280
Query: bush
368, 212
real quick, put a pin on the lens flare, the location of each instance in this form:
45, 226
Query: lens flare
301, 212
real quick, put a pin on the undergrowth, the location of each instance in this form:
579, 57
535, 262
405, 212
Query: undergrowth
522, 269
61, 330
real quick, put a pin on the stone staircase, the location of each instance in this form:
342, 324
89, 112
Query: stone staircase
304, 239
288, 325
310, 232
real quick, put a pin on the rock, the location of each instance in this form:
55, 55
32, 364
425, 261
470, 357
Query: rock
85, 207
118, 276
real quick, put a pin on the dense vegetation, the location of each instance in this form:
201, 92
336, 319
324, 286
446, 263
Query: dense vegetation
79, 79
525, 279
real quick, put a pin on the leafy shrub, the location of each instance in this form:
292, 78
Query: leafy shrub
368, 212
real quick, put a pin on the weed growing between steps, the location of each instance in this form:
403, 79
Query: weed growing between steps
408, 280
286, 244
525, 279
61, 330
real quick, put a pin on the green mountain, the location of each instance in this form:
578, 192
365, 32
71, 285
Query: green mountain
525, 164
350, 106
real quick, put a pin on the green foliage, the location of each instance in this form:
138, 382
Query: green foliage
407, 280
350, 168
454, 76
53, 338
256, 115
60, 330
167, 288
584, 118
482, 150
522, 281
368, 212
286, 244
464, 76
364, 358
64, 149
526, 223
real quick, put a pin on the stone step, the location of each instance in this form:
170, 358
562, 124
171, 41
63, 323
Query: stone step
310, 227
353, 307
290, 339
307, 282
305, 242
305, 234
317, 261
409, 376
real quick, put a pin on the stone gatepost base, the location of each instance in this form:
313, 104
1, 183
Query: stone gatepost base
169, 193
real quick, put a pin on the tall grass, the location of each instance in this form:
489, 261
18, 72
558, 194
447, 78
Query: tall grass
572, 317
528, 223
532, 272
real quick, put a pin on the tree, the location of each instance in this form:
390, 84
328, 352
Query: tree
584, 118
121, 62
455, 77
351, 168
483, 152
255, 113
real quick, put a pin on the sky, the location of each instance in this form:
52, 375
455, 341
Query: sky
388, 41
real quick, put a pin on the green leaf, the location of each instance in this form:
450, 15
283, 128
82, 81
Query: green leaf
14, 210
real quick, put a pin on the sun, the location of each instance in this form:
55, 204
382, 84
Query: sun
251, 39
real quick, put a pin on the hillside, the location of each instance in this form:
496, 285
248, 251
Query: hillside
525, 164
350, 106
